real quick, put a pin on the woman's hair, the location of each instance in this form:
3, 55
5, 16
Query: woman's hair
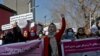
52, 24
69, 30
97, 24
81, 28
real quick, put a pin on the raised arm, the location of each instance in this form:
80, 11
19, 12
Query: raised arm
60, 33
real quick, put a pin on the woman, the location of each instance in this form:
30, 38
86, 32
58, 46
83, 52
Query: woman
98, 27
53, 39
26, 35
81, 33
33, 33
18, 37
69, 34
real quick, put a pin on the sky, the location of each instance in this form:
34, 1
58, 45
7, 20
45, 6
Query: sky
42, 12
43, 9
1, 1
46, 5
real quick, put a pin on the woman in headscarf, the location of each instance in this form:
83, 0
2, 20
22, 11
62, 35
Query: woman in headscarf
81, 33
33, 33
53, 39
26, 35
69, 34
98, 27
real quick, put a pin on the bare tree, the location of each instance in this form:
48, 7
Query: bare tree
88, 8
79, 11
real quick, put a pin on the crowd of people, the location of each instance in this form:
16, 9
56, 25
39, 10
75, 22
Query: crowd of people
82, 32
16, 34
52, 45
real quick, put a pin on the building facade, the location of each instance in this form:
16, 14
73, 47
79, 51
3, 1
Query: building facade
5, 14
21, 6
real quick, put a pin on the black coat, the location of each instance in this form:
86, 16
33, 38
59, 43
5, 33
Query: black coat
8, 38
18, 37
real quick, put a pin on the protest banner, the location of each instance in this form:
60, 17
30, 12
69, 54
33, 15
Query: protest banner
81, 47
21, 19
28, 48
6, 27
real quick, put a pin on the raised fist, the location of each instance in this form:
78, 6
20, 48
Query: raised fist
62, 15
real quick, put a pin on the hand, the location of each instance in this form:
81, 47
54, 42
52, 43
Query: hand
62, 15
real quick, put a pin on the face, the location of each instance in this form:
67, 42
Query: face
25, 34
81, 31
32, 33
52, 28
70, 32
87, 31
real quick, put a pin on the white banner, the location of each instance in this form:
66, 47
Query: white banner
6, 27
21, 19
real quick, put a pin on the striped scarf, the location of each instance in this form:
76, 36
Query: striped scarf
53, 44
